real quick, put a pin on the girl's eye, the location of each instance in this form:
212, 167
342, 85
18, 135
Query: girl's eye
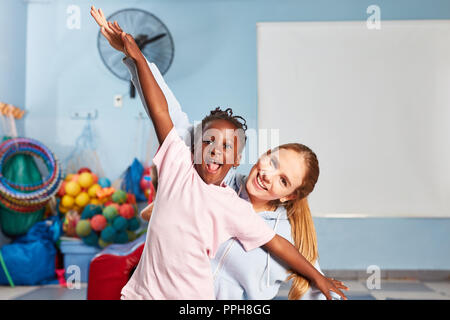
284, 182
227, 146
207, 141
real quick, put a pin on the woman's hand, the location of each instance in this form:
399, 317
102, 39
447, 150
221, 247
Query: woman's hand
326, 285
109, 30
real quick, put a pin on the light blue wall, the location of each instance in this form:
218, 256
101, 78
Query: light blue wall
215, 64
13, 16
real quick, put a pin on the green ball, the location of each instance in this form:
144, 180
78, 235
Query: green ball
133, 224
102, 243
131, 235
91, 239
108, 234
121, 237
91, 210
120, 223
119, 197
110, 213
83, 228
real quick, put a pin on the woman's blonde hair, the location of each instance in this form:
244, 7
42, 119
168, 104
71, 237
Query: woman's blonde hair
299, 215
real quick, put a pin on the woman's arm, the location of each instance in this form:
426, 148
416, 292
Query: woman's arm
284, 250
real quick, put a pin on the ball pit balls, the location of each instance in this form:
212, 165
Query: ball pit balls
84, 170
110, 212
92, 191
67, 201
91, 210
108, 234
91, 239
131, 235
82, 199
121, 237
72, 188
63, 209
102, 243
120, 223
83, 228
62, 189
95, 201
126, 210
94, 177
85, 180
119, 197
75, 177
98, 222
131, 198
104, 182
68, 177
133, 224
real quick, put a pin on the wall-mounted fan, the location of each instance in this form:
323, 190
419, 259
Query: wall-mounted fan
150, 34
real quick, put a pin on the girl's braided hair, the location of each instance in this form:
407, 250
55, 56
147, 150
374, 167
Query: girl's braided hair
219, 114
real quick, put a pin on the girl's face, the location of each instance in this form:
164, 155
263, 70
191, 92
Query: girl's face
220, 151
276, 175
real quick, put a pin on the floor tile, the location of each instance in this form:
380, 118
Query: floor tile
442, 287
8, 293
54, 293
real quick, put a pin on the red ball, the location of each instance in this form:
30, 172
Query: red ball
126, 210
62, 190
131, 199
84, 170
98, 222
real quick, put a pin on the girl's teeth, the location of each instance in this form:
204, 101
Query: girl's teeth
213, 166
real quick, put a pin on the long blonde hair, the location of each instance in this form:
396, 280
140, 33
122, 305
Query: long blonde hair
299, 215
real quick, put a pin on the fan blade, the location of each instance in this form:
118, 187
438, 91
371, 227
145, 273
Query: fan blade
155, 38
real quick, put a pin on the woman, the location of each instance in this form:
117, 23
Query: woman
277, 187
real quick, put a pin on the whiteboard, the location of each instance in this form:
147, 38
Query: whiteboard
373, 104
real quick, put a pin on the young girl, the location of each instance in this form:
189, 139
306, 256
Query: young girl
193, 211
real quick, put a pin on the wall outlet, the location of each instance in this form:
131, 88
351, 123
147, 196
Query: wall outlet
118, 101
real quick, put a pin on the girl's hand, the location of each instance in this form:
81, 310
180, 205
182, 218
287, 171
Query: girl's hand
108, 29
131, 48
326, 285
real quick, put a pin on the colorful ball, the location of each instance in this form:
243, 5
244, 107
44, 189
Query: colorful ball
67, 201
75, 177
102, 243
84, 170
92, 191
110, 212
62, 189
82, 199
95, 201
108, 234
63, 209
104, 182
94, 177
91, 210
98, 222
72, 188
126, 210
120, 223
121, 237
131, 198
131, 235
85, 180
91, 239
133, 224
83, 228
119, 196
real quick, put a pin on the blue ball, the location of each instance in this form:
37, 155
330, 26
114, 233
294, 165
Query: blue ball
91, 239
120, 223
133, 224
121, 237
108, 234
91, 210
104, 182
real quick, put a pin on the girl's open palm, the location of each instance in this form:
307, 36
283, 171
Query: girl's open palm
106, 28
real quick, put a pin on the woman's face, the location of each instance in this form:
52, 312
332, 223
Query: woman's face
276, 175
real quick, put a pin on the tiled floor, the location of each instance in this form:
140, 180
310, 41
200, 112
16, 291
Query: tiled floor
390, 290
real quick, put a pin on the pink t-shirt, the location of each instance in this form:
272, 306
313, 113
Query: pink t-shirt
190, 220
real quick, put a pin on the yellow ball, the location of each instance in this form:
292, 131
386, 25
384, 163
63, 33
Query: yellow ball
95, 201
69, 177
72, 188
82, 199
92, 191
67, 201
63, 209
86, 180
